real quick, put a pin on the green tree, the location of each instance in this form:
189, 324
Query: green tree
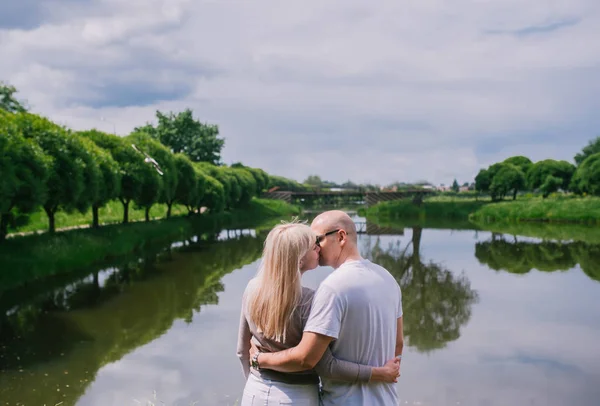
508, 178
587, 177
260, 176
8, 102
24, 168
214, 196
483, 181
455, 186
247, 184
110, 184
314, 180
550, 185
182, 133
166, 160
539, 171
190, 183
139, 181
592, 148
519, 161
71, 166
285, 184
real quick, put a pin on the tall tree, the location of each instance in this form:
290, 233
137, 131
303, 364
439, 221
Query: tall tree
314, 180
483, 181
71, 166
182, 133
214, 196
139, 181
587, 177
455, 186
8, 102
508, 178
592, 148
166, 161
24, 168
520, 161
110, 185
188, 185
538, 173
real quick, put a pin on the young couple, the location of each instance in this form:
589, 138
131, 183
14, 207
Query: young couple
348, 333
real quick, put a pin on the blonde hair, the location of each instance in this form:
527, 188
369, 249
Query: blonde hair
279, 287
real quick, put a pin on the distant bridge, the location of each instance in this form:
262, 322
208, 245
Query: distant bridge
368, 198
373, 229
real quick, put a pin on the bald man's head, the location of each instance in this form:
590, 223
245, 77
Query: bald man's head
332, 220
336, 234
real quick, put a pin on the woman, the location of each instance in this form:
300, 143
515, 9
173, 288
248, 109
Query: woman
275, 308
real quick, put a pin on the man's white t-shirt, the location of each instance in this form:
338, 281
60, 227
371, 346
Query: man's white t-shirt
358, 305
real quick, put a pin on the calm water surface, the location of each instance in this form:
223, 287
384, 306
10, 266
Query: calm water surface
489, 320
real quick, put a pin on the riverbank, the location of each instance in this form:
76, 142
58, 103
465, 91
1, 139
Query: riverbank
430, 210
31, 258
111, 213
567, 209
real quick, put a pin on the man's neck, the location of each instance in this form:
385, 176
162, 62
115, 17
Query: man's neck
351, 256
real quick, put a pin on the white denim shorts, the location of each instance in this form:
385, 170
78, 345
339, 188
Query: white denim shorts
265, 392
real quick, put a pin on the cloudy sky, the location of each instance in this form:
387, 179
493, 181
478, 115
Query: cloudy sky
373, 91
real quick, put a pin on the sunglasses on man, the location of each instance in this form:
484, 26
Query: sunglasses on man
323, 236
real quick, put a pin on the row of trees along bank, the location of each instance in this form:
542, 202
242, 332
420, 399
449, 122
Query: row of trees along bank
519, 173
43, 164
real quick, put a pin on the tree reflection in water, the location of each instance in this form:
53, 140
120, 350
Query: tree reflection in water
62, 339
502, 254
436, 302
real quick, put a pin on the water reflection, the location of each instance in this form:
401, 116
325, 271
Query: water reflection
504, 329
436, 302
50, 350
515, 256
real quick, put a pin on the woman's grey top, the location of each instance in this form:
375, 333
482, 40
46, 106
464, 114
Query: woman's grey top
329, 367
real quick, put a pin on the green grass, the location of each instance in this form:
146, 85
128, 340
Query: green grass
109, 214
458, 198
566, 209
429, 210
37, 256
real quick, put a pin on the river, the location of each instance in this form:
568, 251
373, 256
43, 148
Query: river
490, 319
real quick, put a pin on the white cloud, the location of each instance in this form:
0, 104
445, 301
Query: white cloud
381, 91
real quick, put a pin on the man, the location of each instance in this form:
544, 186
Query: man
357, 309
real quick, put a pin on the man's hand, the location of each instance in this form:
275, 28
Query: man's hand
388, 373
300, 358
253, 351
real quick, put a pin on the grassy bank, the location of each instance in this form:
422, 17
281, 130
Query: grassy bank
429, 210
110, 214
554, 210
560, 209
34, 257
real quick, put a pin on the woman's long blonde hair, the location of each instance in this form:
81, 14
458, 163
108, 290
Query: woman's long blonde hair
279, 287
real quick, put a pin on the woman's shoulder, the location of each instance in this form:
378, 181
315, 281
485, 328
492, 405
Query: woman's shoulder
307, 297
307, 292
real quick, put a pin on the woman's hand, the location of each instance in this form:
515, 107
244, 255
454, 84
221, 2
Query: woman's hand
388, 373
